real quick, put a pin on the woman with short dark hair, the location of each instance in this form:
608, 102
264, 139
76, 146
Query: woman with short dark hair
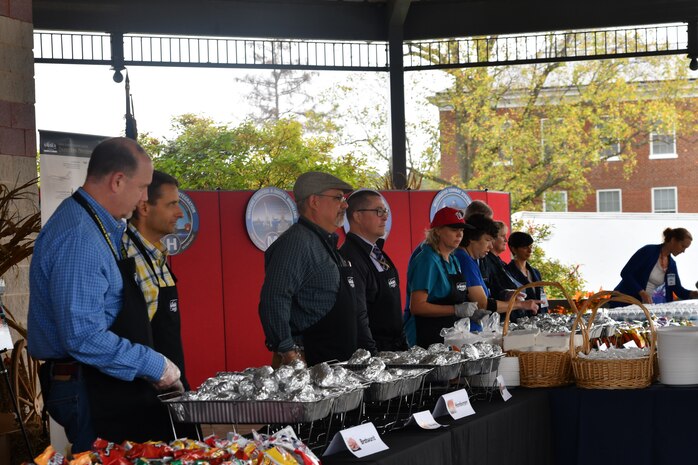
521, 271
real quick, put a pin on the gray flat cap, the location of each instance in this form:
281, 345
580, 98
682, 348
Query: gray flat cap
315, 182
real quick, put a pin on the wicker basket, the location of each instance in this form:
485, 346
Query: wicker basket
613, 374
541, 369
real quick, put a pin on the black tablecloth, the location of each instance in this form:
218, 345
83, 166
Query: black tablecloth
652, 426
511, 433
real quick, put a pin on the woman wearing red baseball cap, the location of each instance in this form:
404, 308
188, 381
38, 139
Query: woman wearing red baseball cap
438, 291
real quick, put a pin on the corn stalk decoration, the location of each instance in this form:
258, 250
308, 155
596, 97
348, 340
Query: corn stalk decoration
17, 231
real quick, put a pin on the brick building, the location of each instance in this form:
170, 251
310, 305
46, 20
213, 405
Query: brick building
664, 180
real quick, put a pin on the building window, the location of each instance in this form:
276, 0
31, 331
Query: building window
608, 200
663, 145
611, 145
555, 201
664, 200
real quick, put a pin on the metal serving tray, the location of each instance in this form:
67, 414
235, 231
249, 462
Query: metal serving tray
348, 401
253, 411
472, 367
379, 392
444, 372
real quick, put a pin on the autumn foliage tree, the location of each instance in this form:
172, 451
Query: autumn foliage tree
208, 155
534, 129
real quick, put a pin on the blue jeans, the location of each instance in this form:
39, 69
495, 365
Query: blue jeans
68, 404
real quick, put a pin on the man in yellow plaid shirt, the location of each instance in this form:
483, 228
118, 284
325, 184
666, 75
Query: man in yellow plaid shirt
152, 220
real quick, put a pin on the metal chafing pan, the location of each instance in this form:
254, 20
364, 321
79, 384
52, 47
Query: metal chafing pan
490, 364
378, 392
252, 411
348, 401
444, 372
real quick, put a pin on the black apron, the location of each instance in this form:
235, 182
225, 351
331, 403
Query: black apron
166, 324
385, 312
126, 410
429, 328
334, 336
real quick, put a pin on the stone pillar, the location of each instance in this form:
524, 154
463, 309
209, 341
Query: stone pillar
17, 126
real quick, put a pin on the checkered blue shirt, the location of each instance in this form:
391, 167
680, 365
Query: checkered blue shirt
75, 294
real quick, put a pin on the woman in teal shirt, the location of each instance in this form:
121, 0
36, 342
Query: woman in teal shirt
438, 292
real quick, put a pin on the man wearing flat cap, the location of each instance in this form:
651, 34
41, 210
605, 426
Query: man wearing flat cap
307, 303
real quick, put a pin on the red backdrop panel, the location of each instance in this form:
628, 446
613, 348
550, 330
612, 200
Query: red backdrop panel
199, 274
243, 274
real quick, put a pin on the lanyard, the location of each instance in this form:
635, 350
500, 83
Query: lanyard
84, 204
146, 255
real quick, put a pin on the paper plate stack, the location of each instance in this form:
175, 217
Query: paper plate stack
509, 369
677, 351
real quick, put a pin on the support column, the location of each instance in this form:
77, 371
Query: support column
17, 126
397, 11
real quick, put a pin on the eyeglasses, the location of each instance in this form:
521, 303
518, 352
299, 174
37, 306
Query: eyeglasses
380, 212
338, 198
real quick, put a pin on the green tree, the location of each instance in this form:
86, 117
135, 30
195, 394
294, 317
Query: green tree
550, 269
207, 155
542, 128
363, 123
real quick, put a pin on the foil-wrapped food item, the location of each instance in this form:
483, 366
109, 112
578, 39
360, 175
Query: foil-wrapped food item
323, 375
360, 357
469, 352
437, 348
375, 367
289, 382
484, 349
616, 354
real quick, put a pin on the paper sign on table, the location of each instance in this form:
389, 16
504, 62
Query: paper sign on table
425, 420
506, 395
454, 403
362, 440
630, 345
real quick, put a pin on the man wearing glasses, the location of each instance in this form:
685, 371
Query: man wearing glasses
307, 303
377, 281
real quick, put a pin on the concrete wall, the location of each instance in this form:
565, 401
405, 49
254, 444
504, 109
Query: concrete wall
17, 125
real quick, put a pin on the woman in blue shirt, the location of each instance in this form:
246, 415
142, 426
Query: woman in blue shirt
476, 243
652, 266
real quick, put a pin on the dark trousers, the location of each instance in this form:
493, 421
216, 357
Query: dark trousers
65, 398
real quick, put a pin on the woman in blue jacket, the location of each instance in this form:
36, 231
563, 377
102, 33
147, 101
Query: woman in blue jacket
652, 266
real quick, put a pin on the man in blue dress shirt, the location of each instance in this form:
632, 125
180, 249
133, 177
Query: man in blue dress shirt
79, 306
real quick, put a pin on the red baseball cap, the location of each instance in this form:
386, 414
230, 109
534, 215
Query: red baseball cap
449, 216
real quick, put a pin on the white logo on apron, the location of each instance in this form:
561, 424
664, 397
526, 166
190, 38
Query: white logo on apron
173, 305
392, 282
350, 280
461, 286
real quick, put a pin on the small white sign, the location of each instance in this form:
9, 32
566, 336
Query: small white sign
362, 440
425, 420
457, 404
506, 395
630, 345
603, 347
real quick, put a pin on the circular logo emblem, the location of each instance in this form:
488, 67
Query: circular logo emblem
449, 197
388, 224
186, 228
270, 212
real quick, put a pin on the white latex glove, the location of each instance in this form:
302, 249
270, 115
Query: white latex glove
466, 309
508, 293
169, 377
